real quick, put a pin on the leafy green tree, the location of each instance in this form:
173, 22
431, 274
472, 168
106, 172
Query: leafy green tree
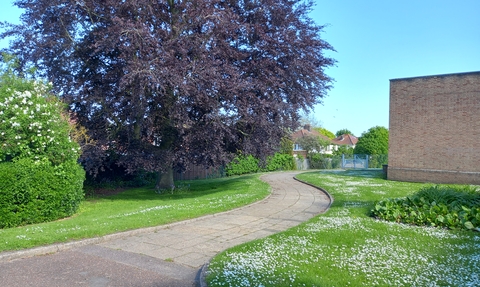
343, 149
311, 143
325, 132
373, 142
286, 146
343, 132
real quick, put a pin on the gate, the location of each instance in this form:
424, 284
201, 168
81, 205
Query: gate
356, 161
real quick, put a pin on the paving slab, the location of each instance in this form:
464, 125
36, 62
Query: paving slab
170, 255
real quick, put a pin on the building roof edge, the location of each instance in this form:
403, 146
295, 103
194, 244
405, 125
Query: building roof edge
436, 76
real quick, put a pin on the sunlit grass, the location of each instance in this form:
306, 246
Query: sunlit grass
137, 208
345, 247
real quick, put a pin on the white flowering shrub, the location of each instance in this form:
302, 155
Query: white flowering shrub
40, 179
33, 124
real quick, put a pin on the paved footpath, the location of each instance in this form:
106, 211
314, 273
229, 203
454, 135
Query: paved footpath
167, 256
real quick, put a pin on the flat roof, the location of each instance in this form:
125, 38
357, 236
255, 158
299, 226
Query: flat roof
436, 76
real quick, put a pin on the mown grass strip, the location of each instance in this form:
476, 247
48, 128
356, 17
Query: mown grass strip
346, 247
138, 208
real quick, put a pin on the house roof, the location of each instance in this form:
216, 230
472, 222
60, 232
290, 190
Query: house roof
345, 139
307, 131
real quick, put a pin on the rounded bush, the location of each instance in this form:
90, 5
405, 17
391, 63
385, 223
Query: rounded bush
37, 191
280, 161
242, 165
33, 124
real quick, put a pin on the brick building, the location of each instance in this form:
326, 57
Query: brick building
435, 129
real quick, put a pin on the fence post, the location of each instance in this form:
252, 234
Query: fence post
366, 160
343, 160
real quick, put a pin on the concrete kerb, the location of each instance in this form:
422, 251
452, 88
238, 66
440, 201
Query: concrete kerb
53, 248
330, 197
203, 273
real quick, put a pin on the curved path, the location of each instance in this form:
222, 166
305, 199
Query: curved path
169, 255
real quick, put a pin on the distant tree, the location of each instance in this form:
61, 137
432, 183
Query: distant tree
324, 143
308, 143
373, 142
325, 132
311, 143
307, 118
343, 149
343, 132
286, 145
167, 83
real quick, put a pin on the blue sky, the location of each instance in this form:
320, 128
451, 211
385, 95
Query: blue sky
379, 40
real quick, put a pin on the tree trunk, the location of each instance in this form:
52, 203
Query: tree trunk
165, 180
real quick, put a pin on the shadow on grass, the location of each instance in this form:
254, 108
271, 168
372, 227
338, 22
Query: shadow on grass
364, 173
184, 190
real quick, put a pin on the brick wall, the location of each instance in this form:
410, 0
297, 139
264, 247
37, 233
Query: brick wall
435, 129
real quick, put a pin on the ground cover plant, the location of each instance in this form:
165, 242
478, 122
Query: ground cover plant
454, 207
137, 208
347, 247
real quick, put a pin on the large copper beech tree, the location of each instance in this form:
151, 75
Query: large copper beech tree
168, 83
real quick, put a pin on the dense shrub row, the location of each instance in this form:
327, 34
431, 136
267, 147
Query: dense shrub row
444, 206
248, 164
37, 191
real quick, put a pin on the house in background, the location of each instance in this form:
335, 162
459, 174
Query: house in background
345, 140
308, 131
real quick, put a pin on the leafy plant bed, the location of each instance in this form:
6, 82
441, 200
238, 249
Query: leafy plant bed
347, 247
454, 207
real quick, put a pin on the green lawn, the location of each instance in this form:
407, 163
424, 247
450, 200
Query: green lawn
137, 208
345, 247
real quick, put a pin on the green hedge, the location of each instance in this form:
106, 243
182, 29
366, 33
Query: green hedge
280, 161
248, 164
242, 165
33, 192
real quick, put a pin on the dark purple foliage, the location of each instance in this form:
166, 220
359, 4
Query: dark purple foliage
168, 83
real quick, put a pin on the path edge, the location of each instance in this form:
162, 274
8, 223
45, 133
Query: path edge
203, 271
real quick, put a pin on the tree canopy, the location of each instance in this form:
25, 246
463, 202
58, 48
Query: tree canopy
325, 132
343, 132
169, 83
373, 142
312, 143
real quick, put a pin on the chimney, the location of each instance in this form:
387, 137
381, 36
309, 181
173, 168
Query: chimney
307, 127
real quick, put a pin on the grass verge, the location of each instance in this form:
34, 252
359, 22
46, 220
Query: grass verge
137, 208
346, 247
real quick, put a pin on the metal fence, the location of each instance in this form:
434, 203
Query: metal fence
356, 161
364, 161
319, 161
199, 172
